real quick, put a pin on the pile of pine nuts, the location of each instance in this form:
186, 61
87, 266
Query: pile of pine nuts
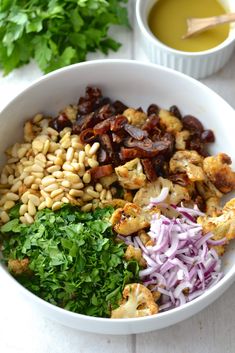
47, 170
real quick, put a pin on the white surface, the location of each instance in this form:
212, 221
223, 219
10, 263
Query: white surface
22, 329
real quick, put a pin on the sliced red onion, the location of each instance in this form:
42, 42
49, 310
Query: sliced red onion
180, 258
160, 198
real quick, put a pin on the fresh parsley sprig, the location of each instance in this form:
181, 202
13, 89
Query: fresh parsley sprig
56, 33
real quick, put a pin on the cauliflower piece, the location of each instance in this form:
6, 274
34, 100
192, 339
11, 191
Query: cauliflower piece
135, 117
222, 226
177, 193
129, 219
219, 172
180, 139
210, 195
130, 175
136, 254
170, 122
137, 301
17, 267
189, 162
108, 180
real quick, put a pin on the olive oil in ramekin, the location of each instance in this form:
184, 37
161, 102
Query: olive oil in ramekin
167, 21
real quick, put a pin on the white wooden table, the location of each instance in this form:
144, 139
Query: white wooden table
23, 330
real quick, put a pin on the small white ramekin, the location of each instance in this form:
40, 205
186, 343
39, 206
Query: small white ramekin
195, 64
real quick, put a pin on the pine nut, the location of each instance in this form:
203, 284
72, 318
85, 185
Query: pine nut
53, 168
12, 196
11, 179
38, 175
15, 187
81, 169
22, 219
66, 184
4, 179
57, 205
31, 208
25, 197
65, 200
37, 168
94, 148
46, 147
4, 217
59, 161
48, 180
29, 180
34, 199
103, 194
49, 202
58, 174
56, 193
73, 178
69, 154
40, 157
87, 149
8, 204
76, 193
44, 194
109, 195
87, 207
51, 187
98, 187
22, 152
42, 206
34, 186
86, 178
93, 193
81, 156
67, 167
52, 131
87, 197
28, 217
23, 209
92, 163
37, 118
78, 186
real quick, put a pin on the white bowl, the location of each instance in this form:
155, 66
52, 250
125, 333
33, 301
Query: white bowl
136, 84
195, 64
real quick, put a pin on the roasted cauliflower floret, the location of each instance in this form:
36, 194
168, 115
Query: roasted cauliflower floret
135, 117
133, 253
17, 267
218, 170
129, 219
181, 138
137, 301
189, 162
169, 122
130, 175
210, 195
222, 226
176, 194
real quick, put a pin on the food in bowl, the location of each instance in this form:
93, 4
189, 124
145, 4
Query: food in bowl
111, 211
167, 21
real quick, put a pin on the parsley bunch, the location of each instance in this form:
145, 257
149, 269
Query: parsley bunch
56, 33
74, 261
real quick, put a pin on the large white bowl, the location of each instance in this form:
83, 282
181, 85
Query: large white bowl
136, 84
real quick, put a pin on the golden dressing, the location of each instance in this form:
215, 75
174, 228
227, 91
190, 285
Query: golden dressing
167, 21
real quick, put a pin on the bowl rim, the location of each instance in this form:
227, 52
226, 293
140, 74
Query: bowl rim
228, 278
158, 44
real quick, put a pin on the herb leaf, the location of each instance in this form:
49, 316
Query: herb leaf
74, 261
56, 32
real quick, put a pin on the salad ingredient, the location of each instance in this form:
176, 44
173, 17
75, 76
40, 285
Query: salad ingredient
130, 175
219, 172
71, 259
180, 261
56, 33
222, 226
137, 302
129, 220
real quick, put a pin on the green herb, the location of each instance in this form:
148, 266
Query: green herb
56, 33
74, 261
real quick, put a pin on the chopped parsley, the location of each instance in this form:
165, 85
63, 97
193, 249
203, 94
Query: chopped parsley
74, 261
